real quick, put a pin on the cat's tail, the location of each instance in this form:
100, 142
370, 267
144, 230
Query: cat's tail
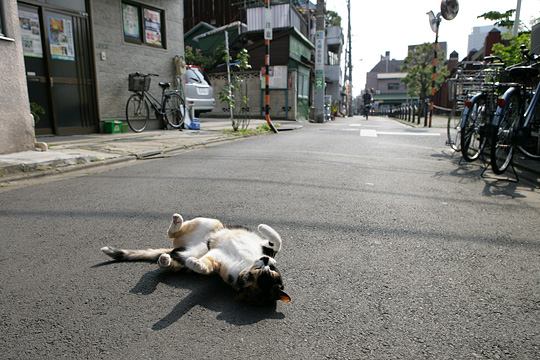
134, 255
274, 240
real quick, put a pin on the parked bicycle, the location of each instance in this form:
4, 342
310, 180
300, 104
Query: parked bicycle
170, 109
516, 123
479, 110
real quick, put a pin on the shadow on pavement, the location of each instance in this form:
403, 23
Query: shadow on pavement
503, 185
208, 292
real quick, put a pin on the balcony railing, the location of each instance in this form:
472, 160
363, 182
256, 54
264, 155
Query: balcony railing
283, 16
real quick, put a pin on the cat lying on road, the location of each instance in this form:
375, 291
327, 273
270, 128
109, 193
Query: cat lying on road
243, 259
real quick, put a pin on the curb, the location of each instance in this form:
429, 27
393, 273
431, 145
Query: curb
124, 158
65, 169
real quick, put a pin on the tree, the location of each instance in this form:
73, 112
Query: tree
419, 69
196, 57
501, 19
332, 18
511, 53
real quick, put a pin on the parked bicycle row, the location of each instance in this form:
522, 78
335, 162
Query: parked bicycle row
500, 111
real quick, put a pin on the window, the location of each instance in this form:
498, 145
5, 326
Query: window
303, 85
143, 25
131, 19
393, 86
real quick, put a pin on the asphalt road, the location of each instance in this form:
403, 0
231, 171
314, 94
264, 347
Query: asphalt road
391, 250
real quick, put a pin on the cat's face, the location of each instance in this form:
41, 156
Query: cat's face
261, 283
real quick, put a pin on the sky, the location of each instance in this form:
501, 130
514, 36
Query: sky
391, 25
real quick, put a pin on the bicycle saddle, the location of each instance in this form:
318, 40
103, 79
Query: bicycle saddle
523, 74
165, 85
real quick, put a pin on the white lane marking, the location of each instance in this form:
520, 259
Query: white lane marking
375, 133
355, 125
368, 132
407, 133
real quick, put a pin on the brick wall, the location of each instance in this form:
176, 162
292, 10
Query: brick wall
122, 58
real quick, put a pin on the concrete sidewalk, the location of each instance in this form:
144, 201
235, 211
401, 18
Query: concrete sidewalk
68, 153
528, 168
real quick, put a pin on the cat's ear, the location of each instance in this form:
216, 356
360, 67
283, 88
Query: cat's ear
284, 297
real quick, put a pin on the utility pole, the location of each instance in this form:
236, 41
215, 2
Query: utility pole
228, 61
515, 28
267, 39
319, 62
349, 95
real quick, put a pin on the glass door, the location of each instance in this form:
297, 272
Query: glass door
59, 70
36, 68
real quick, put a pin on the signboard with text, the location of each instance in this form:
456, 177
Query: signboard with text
319, 50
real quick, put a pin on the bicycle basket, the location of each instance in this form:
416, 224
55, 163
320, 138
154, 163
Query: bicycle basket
138, 82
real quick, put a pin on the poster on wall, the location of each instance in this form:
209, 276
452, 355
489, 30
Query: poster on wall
278, 77
61, 39
130, 15
30, 34
152, 27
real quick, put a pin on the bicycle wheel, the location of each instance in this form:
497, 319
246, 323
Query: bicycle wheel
174, 110
529, 144
473, 140
503, 136
453, 133
137, 112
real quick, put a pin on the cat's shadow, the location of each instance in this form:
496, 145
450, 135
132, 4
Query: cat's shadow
207, 291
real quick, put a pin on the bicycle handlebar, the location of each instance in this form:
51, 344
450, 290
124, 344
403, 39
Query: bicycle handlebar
145, 75
492, 59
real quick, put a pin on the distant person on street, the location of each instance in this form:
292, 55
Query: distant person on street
367, 101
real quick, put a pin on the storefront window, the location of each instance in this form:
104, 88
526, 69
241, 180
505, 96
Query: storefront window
132, 23
143, 24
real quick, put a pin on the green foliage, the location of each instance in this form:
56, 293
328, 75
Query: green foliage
511, 53
332, 18
229, 93
419, 68
37, 111
243, 60
500, 18
259, 130
196, 57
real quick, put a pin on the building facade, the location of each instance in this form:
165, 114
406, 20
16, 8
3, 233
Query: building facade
332, 69
384, 81
290, 56
16, 122
77, 55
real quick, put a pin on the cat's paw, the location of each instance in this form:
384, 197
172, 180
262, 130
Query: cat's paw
113, 252
194, 264
164, 261
176, 224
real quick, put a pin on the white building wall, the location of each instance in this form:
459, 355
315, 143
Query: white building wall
16, 122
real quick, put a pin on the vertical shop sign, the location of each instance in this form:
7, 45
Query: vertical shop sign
319, 59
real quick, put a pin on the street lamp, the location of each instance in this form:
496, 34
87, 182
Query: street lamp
449, 10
